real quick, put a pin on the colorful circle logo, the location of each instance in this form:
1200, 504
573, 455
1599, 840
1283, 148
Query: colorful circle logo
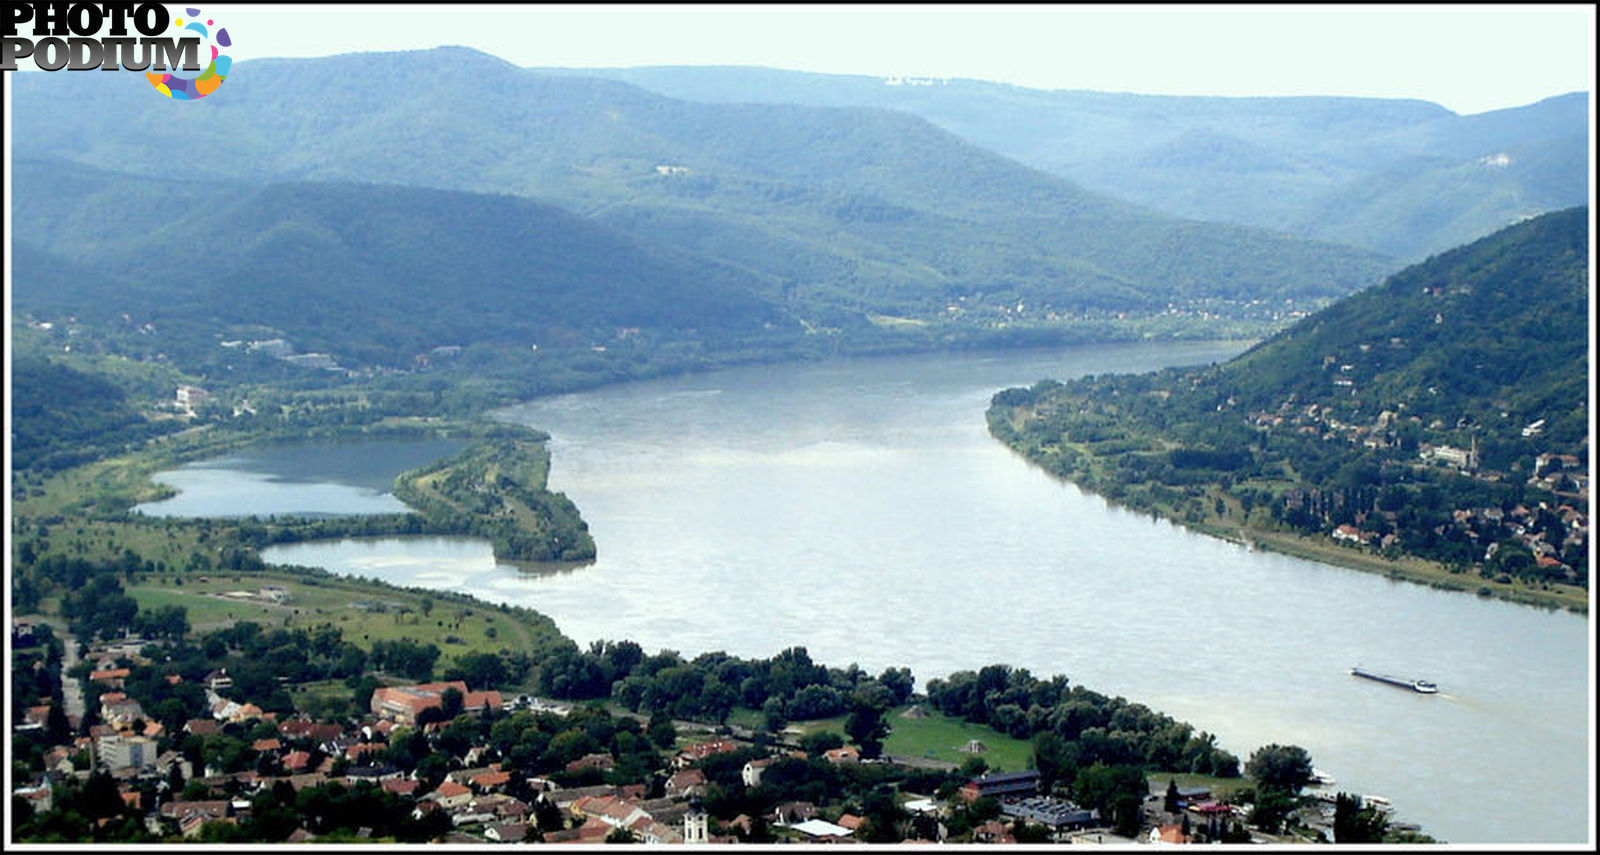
176, 83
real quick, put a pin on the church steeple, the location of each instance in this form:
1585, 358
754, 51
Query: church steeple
695, 824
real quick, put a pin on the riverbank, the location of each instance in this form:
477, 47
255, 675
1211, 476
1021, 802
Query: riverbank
1403, 568
1277, 639
496, 487
1211, 508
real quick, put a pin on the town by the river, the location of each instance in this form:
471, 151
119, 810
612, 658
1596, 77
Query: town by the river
859, 508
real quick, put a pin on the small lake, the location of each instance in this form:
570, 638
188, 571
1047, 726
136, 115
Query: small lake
297, 478
860, 508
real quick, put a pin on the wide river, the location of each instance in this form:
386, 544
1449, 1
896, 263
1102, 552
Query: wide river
860, 508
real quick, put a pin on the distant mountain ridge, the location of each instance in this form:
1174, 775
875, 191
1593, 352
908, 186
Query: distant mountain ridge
831, 213
1396, 176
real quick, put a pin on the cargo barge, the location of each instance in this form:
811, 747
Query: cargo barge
1422, 686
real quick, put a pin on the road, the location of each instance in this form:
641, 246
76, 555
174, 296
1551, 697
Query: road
71, 689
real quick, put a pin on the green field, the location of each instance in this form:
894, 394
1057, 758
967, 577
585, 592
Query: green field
1221, 788
456, 628
940, 737
934, 737
322, 698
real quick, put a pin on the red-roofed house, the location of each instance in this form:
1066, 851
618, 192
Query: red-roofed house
493, 780
111, 676
450, 795
202, 727
356, 751
847, 754
1350, 534
594, 830
119, 710
701, 750
603, 762
296, 728
401, 786
685, 783
404, 703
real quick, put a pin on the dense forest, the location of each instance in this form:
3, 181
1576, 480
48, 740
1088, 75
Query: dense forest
1399, 176
836, 216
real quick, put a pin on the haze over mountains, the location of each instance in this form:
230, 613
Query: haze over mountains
1406, 178
830, 214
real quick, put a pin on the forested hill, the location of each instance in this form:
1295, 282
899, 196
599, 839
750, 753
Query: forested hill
850, 211
1442, 414
1494, 333
1404, 177
373, 274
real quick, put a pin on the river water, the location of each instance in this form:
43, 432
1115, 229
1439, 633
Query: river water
859, 508
296, 479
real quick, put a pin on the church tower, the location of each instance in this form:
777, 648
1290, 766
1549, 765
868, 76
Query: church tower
695, 824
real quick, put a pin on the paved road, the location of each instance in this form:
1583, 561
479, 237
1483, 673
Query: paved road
921, 762
71, 689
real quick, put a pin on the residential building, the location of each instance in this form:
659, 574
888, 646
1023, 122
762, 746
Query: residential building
1001, 785
403, 704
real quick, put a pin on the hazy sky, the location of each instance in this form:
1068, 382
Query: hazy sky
1469, 58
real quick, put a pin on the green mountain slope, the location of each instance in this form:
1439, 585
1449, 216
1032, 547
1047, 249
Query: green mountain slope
1322, 168
1497, 330
852, 210
1441, 415
62, 416
372, 274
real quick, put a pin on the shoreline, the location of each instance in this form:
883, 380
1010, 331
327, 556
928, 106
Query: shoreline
1409, 569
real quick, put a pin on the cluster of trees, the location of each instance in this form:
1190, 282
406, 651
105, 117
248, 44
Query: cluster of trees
1280, 773
93, 810
36, 681
263, 662
788, 686
496, 489
63, 417
101, 609
1073, 727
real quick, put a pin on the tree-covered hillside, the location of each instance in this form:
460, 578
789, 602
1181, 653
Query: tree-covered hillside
62, 416
1403, 177
1492, 336
840, 213
371, 274
1442, 414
